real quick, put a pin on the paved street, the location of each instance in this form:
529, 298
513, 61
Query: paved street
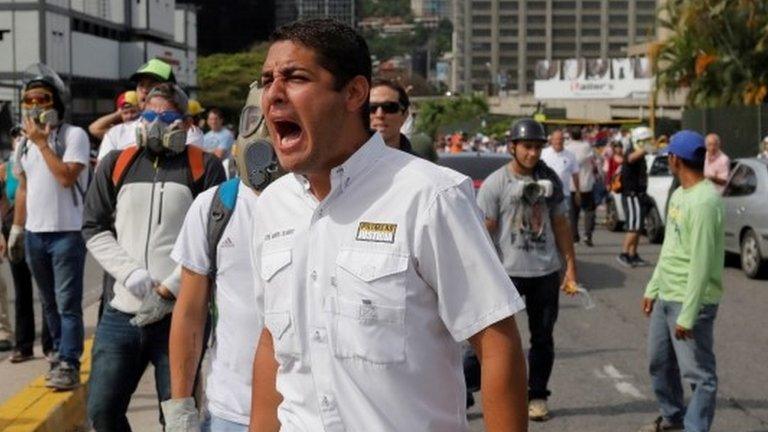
600, 381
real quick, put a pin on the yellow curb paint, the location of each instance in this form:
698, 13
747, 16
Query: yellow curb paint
37, 408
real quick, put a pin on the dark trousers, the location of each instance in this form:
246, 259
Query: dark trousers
588, 205
121, 353
24, 307
542, 295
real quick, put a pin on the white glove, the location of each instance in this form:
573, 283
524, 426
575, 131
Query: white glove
181, 415
139, 283
16, 244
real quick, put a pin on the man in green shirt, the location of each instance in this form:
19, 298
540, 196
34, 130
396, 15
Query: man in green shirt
683, 294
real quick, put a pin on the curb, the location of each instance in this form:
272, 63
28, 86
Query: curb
37, 408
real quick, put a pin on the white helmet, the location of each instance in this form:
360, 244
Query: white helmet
641, 133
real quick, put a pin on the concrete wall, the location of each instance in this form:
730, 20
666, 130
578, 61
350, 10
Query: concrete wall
22, 44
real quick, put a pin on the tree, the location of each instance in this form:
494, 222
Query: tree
718, 50
441, 112
225, 79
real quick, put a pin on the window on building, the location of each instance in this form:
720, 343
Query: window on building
481, 32
566, 32
535, 46
537, 32
590, 18
616, 49
558, 4
481, 19
614, 18
563, 19
589, 49
561, 47
535, 19
480, 61
537, 5
645, 5
484, 5
590, 31
617, 32
508, 5
508, 47
590, 5
508, 32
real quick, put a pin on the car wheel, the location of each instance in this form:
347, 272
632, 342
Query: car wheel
751, 259
654, 228
612, 222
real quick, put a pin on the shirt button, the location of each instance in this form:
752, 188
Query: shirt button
326, 402
333, 281
313, 275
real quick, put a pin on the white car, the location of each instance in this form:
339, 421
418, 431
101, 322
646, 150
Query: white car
659, 182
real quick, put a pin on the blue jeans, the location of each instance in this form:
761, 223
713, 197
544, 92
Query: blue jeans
218, 424
57, 262
691, 359
121, 353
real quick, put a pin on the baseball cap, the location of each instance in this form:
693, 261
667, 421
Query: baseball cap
156, 68
130, 97
173, 93
688, 145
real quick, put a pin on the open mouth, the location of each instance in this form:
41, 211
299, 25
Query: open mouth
288, 132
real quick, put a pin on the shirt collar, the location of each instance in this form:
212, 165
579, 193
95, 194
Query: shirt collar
355, 165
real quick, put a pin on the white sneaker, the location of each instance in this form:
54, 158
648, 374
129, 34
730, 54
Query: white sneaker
537, 410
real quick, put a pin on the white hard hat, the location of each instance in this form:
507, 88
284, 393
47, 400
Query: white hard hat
641, 133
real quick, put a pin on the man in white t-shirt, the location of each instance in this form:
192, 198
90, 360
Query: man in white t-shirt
562, 162
585, 200
236, 323
48, 219
123, 134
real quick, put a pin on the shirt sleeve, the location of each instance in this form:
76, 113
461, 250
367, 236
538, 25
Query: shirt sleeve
78, 147
703, 227
488, 198
191, 248
456, 258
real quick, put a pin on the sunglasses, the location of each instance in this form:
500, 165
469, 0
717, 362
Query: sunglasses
166, 117
40, 99
388, 107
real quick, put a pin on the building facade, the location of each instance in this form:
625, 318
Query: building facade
94, 46
346, 11
497, 43
431, 8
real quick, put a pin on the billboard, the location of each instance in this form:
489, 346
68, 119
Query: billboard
548, 70
596, 79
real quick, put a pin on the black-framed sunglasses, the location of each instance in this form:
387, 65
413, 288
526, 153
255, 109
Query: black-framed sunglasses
388, 107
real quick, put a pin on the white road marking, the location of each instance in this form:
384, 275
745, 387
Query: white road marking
629, 390
620, 381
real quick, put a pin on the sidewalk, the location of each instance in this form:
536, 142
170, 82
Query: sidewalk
26, 377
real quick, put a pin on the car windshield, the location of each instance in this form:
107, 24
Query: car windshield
475, 167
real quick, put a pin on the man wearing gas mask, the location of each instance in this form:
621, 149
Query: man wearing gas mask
48, 213
527, 217
133, 215
214, 252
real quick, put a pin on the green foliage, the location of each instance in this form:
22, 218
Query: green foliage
387, 8
718, 50
225, 79
442, 112
384, 46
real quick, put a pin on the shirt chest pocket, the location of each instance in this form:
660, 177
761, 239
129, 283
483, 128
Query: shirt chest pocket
368, 312
277, 273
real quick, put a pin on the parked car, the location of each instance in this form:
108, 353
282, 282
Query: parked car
659, 182
475, 165
746, 215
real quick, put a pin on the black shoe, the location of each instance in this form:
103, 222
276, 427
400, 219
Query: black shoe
470, 400
625, 260
588, 242
20, 357
638, 262
661, 425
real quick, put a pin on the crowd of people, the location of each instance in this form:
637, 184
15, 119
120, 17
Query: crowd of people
336, 295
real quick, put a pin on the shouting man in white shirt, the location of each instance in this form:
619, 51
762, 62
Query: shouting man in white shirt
374, 264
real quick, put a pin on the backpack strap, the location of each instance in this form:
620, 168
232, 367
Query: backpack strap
222, 207
124, 161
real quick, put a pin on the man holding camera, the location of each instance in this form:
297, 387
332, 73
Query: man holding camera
527, 217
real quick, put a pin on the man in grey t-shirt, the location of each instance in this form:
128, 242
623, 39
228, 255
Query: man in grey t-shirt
527, 217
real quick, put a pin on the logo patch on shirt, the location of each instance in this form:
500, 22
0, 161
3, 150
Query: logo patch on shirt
376, 232
227, 243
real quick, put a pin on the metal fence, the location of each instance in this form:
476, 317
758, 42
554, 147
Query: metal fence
741, 128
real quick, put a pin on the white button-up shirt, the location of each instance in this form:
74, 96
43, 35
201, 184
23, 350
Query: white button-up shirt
367, 293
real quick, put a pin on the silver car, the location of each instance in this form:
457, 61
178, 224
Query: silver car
746, 215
